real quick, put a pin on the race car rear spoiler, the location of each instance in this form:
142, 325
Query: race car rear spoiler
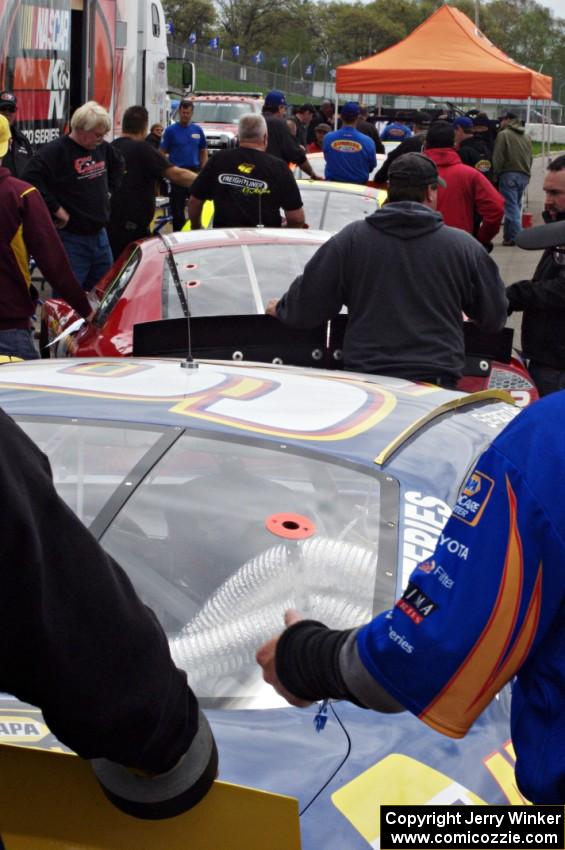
266, 340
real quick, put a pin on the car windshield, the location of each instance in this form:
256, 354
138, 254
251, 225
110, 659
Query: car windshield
89, 461
326, 210
222, 536
233, 279
212, 112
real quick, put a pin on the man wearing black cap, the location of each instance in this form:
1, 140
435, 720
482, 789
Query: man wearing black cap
185, 145
512, 165
282, 143
413, 144
350, 155
21, 150
406, 279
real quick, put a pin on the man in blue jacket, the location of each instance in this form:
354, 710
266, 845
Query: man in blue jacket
496, 613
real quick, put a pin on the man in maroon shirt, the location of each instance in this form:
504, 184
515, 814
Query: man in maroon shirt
26, 227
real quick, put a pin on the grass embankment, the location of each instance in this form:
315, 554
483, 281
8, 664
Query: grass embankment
555, 147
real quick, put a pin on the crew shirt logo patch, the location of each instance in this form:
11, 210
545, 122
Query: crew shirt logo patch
416, 604
239, 181
346, 146
473, 498
246, 167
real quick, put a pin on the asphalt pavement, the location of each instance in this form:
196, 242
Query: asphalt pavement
515, 263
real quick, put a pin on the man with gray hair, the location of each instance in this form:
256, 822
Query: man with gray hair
248, 186
76, 175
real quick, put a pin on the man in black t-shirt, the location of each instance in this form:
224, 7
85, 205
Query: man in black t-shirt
76, 174
133, 204
249, 187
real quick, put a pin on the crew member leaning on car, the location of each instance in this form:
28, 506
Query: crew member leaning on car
26, 226
248, 186
482, 618
78, 642
406, 278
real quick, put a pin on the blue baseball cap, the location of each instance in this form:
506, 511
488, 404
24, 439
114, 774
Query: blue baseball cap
464, 121
275, 98
351, 109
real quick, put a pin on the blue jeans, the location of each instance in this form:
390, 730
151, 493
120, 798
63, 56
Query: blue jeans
511, 185
90, 255
19, 343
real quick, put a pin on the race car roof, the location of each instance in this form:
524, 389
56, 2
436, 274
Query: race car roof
361, 418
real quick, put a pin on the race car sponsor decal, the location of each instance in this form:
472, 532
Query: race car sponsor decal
16, 728
397, 780
346, 146
496, 416
423, 520
415, 604
246, 401
473, 498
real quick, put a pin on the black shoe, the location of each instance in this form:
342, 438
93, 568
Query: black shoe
508, 242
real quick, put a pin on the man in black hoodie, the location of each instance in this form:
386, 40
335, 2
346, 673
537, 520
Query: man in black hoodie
406, 279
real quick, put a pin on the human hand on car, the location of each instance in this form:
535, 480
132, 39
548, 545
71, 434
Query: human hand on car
271, 308
266, 658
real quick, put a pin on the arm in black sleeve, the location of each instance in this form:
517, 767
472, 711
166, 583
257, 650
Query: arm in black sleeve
317, 675
319, 293
40, 172
78, 642
313, 662
540, 294
290, 149
44, 244
487, 304
116, 166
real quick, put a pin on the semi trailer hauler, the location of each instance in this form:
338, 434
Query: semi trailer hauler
57, 54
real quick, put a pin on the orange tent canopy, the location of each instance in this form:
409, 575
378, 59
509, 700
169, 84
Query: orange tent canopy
446, 56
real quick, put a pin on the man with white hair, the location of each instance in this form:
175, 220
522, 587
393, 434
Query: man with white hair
248, 186
76, 175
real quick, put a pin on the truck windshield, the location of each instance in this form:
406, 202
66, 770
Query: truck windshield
220, 113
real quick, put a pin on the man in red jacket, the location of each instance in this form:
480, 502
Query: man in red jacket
26, 227
469, 201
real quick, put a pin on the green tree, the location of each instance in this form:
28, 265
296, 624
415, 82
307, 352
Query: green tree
198, 16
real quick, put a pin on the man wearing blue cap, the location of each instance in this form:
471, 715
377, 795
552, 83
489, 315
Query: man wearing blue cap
472, 150
350, 155
281, 143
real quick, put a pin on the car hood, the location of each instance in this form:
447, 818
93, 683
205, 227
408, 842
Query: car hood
340, 775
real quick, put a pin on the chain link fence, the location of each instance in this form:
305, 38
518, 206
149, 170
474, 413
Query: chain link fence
214, 73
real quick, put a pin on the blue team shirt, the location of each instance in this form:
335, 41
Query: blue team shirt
350, 156
490, 604
183, 144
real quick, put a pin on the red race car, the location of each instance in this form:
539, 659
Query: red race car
227, 273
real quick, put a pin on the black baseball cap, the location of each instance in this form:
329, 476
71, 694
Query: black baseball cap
8, 101
414, 169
